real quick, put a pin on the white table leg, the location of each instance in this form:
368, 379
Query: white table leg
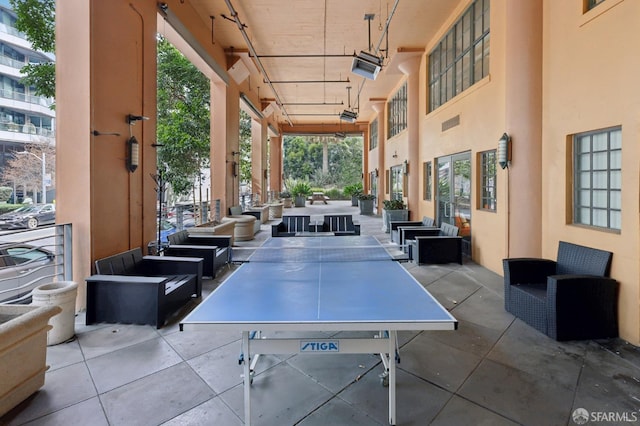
392, 376
247, 378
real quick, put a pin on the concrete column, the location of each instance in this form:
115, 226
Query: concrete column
411, 68
258, 158
379, 108
275, 160
523, 120
225, 141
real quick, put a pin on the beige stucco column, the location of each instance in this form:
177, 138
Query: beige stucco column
379, 108
111, 208
411, 68
225, 143
259, 158
275, 160
523, 120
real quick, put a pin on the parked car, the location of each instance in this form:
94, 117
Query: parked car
168, 227
23, 267
29, 217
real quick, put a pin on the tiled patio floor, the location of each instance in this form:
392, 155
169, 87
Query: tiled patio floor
494, 370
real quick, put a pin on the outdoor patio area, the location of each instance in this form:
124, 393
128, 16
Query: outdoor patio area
493, 370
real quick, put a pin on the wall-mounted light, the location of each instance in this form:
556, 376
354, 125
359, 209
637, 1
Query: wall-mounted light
133, 154
376, 172
405, 167
504, 151
395, 154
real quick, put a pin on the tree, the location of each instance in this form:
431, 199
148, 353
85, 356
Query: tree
25, 170
36, 18
183, 119
245, 147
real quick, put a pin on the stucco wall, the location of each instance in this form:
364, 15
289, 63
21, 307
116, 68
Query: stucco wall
590, 83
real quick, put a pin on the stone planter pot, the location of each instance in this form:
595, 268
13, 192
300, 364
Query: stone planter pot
366, 207
23, 351
354, 200
300, 201
393, 215
63, 294
287, 203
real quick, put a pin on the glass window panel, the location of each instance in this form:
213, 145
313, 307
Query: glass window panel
458, 77
584, 162
585, 198
585, 216
600, 160
466, 30
615, 140
599, 141
615, 200
615, 180
600, 199
600, 180
584, 144
600, 218
477, 62
486, 15
615, 220
485, 61
478, 28
585, 180
466, 71
615, 159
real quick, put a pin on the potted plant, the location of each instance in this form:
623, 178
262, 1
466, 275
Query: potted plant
393, 210
365, 201
353, 191
286, 198
301, 190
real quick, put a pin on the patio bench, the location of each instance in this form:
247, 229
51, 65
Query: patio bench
136, 289
215, 251
290, 225
394, 224
339, 224
446, 247
571, 298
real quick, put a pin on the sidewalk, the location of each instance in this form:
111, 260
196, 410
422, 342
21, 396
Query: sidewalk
494, 370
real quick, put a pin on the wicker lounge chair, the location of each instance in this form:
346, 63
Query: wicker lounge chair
571, 298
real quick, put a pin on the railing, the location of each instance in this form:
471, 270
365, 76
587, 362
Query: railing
28, 129
31, 258
23, 97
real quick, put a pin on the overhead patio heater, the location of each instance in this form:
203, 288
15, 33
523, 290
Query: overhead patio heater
366, 65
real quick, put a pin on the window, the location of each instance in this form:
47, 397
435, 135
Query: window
397, 182
428, 178
488, 180
590, 4
373, 134
397, 110
598, 178
461, 58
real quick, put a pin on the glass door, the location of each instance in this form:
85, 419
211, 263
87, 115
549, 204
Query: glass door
454, 194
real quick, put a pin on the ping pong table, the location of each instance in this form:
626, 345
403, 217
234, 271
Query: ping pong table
332, 284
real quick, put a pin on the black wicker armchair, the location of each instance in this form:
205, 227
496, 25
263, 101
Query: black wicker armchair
444, 247
394, 224
572, 298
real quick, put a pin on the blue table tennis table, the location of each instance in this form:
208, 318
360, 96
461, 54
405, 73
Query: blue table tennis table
329, 284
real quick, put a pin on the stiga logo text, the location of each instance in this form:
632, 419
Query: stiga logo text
319, 346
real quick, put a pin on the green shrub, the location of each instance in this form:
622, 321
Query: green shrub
366, 197
394, 205
5, 193
301, 189
354, 189
335, 194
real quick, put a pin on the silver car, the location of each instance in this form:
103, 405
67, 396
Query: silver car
23, 267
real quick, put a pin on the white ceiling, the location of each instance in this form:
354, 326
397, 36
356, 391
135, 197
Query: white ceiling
324, 28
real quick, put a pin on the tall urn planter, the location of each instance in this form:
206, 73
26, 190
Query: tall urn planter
23, 351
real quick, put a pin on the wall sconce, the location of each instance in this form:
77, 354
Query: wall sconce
376, 172
504, 151
405, 167
133, 154
395, 154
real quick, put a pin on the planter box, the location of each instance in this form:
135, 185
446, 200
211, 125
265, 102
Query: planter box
366, 207
393, 215
299, 201
23, 351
